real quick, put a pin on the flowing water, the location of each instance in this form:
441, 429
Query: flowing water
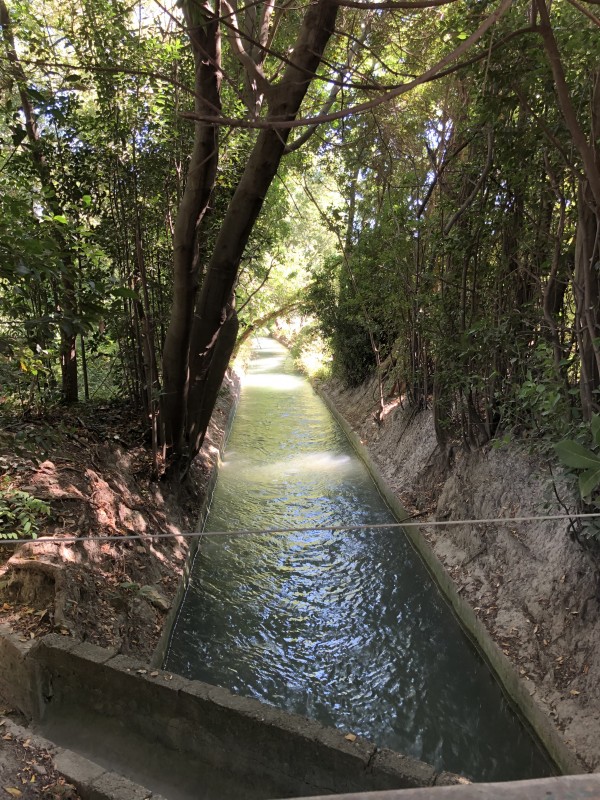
343, 627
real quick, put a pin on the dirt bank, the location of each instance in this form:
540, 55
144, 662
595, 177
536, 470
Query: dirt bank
92, 465
532, 584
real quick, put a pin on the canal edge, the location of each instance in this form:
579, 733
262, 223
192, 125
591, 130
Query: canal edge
506, 673
162, 647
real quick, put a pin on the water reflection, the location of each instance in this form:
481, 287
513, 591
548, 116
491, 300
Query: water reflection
343, 627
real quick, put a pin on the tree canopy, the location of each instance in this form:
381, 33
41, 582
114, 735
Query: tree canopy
421, 177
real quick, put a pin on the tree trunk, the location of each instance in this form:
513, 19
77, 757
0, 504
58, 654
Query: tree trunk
206, 44
213, 307
586, 281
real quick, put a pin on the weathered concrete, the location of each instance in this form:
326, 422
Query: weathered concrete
517, 690
573, 787
14, 678
190, 739
93, 781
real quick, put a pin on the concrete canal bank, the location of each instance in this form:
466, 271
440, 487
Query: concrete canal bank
187, 739
121, 731
518, 690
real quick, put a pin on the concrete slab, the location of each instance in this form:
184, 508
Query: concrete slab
110, 786
92, 780
569, 787
78, 770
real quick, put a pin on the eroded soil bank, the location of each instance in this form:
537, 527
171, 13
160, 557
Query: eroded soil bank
533, 585
95, 475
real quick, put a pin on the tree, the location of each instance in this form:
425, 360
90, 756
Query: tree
65, 299
202, 331
203, 325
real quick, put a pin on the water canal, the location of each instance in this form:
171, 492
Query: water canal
343, 627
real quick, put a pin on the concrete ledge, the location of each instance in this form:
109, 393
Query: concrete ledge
92, 781
14, 680
515, 688
573, 787
159, 655
88, 694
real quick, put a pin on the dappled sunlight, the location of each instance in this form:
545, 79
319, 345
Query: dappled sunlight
390, 406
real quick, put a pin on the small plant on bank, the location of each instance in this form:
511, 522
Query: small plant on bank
20, 514
585, 461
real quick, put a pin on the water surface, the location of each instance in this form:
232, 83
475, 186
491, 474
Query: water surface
343, 627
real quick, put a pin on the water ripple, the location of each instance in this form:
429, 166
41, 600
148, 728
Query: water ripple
343, 627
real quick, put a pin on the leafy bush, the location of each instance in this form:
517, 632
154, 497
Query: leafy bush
585, 461
20, 514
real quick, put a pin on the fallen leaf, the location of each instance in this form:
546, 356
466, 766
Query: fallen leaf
350, 737
12, 791
574, 692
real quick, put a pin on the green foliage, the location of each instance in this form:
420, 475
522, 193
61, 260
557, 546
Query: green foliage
441, 242
340, 323
584, 460
20, 513
310, 353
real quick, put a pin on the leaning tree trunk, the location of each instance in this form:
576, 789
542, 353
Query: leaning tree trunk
206, 44
214, 316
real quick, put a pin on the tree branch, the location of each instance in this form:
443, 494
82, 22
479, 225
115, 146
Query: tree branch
406, 5
246, 60
587, 13
431, 74
481, 180
566, 104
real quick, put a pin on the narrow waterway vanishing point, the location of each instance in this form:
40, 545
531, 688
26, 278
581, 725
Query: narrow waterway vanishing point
343, 627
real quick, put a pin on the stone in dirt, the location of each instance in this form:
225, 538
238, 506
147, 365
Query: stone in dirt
155, 597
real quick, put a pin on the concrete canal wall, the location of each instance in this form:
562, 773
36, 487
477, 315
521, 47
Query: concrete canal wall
190, 733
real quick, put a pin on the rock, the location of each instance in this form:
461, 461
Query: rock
155, 597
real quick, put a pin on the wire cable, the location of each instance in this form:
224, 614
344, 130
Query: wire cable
279, 531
